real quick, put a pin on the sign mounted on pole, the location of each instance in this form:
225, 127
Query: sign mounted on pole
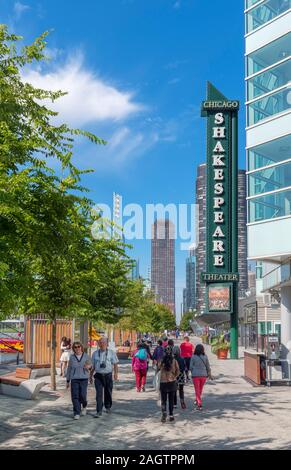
221, 275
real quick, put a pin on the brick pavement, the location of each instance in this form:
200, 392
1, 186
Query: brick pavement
236, 416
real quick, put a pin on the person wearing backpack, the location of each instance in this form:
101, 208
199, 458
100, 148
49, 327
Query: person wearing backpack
181, 377
169, 372
139, 366
200, 370
157, 356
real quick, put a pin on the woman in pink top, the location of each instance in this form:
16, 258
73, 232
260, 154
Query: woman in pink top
139, 366
165, 341
187, 349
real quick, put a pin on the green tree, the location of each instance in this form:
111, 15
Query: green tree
185, 321
49, 262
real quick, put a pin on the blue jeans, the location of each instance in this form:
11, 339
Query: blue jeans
79, 394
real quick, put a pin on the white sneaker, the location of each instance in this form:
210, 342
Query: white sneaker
84, 412
77, 417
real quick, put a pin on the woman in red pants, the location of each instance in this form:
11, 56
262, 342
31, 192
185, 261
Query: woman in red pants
139, 366
200, 369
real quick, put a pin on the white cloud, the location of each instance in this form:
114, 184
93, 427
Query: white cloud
89, 99
19, 8
124, 146
174, 81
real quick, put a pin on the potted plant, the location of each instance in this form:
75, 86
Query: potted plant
220, 347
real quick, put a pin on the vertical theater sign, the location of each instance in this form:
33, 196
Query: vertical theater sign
221, 275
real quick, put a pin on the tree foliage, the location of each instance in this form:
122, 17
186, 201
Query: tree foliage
145, 315
50, 263
185, 321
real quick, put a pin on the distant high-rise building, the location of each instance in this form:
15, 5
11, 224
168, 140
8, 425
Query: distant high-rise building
252, 280
184, 301
201, 184
163, 262
135, 271
201, 235
147, 281
242, 232
190, 298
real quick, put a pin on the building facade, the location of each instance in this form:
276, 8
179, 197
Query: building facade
163, 262
135, 271
189, 297
268, 149
201, 182
242, 233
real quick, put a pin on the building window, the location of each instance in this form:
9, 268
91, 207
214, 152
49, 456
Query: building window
265, 328
270, 54
269, 153
269, 179
251, 3
269, 106
264, 12
270, 206
269, 80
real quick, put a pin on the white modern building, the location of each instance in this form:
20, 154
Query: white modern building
268, 148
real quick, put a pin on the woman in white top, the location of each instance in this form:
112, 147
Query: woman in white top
66, 350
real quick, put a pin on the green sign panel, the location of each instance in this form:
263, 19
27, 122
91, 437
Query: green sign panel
221, 242
221, 275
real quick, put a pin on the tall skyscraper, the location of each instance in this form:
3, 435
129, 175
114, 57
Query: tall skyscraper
268, 146
201, 183
201, 235
163, 262
189, 301
184, 301
242, 233
135, 271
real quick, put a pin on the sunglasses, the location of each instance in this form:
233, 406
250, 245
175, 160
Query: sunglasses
76, 347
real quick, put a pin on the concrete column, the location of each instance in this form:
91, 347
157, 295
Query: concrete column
286, 322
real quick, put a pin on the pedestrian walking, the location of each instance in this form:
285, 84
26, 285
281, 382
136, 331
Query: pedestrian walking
169, 372
171, 343
158, 355
78, 372
140, 365
158, 352
66, 351
200, 370
187, 350
147, 346
180, 378
104, 363
165, 341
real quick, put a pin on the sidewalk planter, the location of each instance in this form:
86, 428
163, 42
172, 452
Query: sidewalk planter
222, 353
220, 347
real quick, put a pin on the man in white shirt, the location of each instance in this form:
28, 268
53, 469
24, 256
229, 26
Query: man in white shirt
104, 362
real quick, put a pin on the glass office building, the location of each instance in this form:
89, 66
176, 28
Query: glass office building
268, 140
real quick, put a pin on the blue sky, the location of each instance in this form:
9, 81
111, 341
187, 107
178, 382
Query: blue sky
136, 71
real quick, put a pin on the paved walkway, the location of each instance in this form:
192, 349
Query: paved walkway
236, 416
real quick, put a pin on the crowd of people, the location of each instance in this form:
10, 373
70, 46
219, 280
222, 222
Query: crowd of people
172, 364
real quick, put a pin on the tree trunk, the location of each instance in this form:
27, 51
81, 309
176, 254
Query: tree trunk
90, 337
53, 356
